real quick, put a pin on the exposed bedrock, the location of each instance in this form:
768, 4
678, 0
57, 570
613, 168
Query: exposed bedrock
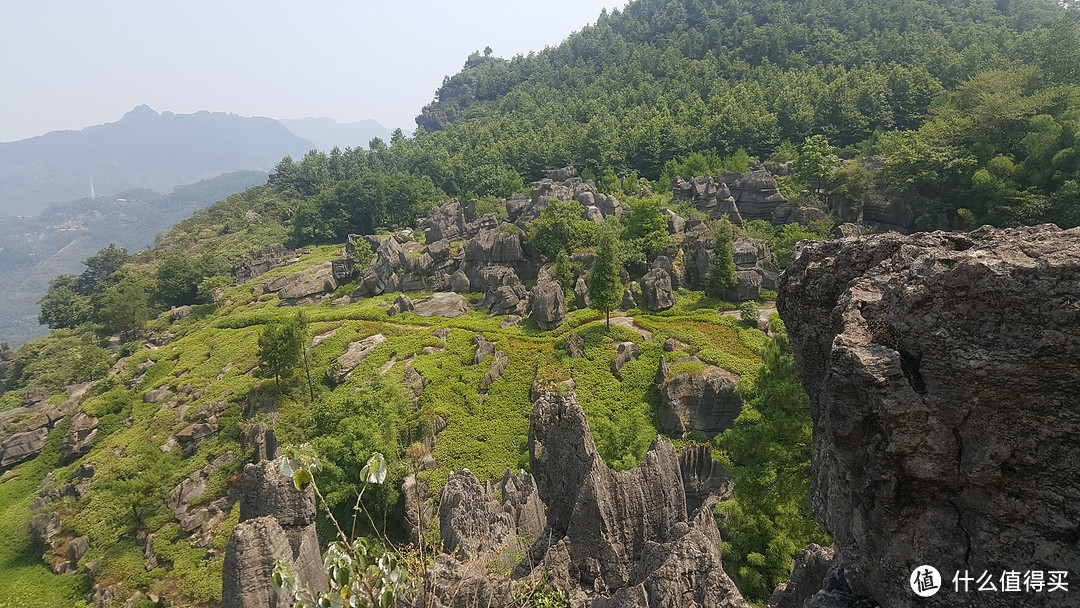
943, 371
620, 538
277, 522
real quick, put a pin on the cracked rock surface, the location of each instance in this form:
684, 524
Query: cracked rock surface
943, 371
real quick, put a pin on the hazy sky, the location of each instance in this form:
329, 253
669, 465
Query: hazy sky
68, 65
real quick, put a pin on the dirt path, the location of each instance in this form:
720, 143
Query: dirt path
628, 323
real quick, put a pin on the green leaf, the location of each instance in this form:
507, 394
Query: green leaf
375, 469
301, 478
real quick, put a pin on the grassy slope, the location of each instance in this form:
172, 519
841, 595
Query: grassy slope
488, 434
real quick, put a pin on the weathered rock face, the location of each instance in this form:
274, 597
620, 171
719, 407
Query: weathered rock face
755, 193
498, 365
699, 400
494, 246
625, 353
656, 291
619, 539
711, 198
312, 282
354, 355
25, 430
265, 260
811, 566
581, 293
942, 370
277, 522
443, 304
548, 304
888, 214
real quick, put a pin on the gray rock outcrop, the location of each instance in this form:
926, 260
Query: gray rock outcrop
619, 538
701, 400
942, 371
581, 293
277, 522
354, 355
625, 352
498, 365
656, 291
547, 304
812, 565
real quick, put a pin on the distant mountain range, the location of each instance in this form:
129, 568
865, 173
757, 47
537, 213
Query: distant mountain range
35, 250
326, 133
143, 149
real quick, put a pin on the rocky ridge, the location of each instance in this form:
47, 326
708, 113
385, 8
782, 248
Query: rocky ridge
942, 375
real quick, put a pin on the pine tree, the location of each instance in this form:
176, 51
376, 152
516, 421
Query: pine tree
280, 348
722, 271
605, 288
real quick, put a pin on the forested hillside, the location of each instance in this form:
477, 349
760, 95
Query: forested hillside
973, 105
415, 298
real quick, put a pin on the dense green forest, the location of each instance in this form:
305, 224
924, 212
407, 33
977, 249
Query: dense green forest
973, 105
968, 112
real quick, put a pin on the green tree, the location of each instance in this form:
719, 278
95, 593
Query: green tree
179, 277
815, 164
605, 287
722, 267
123, 305
101, 266
62, 305
280, 350
770, 518
560, 228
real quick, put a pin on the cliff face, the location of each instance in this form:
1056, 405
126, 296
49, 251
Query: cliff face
943, 372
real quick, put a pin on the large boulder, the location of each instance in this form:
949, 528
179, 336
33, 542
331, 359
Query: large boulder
443, 304
696, 397
942, 370
625, 352
498, 365
656, 291
312, 281
548, 304
755, 193
619, 538
581, 293
357, 351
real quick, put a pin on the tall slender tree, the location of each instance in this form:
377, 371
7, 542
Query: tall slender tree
722, 270
605, 288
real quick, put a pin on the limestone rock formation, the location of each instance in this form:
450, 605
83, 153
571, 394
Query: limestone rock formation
277, 522
402, 303
625, 353
755, 193
811, 566
483, 348
24, 430
355, 354
498, 365
701, 400
313, 282
619, 538
574, 345
942, 370
711, 198
548, 304
656, 291
581, 293
265, 260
